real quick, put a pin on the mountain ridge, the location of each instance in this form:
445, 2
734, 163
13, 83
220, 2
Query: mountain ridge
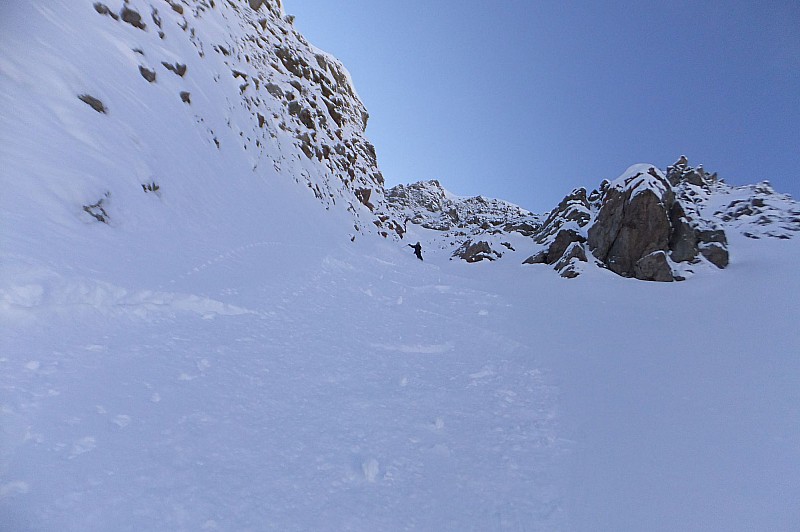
202, 326
239, 99
585, 228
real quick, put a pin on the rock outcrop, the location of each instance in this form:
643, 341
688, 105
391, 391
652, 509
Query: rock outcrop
476, 252
472, 228
757, 211
649, 221
302, 115
561, 237
429, 205
648, 224
633, 222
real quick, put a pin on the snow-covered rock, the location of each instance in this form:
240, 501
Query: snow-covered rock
471, 228
647, 223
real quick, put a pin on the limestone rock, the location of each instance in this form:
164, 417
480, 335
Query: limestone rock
567, 264
537, 258
564, 240
683, 240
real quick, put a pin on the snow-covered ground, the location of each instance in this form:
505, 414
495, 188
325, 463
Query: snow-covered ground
350, 386
221, 356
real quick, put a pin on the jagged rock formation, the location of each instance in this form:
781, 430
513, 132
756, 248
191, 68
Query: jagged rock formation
646, 224
473, 229
633, 221
562, 235
427, 204
641, 225
693, 230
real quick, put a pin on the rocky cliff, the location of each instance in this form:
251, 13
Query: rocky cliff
164, 106
247, 78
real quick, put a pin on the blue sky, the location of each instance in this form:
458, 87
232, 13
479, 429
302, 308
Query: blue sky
526, 100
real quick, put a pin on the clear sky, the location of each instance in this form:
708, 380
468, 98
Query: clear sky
525, 100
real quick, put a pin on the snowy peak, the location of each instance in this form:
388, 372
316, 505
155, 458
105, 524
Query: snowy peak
428, 204
647, 223
641, 178
470, 228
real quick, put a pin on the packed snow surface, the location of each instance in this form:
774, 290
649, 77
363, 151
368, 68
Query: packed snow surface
219, 355
350, 386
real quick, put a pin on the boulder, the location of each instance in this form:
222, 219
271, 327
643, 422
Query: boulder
575, 252
564, 239
147, 74
476, 252
93, 102
555, 251
716, 253
654, 267
132, 17
537, 258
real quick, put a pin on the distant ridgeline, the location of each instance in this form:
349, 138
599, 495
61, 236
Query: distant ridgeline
304, 118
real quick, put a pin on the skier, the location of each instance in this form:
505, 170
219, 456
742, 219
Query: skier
417, 250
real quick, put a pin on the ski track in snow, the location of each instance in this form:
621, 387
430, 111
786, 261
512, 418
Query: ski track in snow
405, 411
382, 394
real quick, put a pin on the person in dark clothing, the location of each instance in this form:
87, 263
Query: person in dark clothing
417, 250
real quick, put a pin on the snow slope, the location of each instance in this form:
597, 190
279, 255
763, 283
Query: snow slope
362, 389
221, 356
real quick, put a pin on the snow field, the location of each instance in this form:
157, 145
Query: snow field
331, 406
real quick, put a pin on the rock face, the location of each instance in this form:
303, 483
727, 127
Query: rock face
654, 267
757, 211
648, 221
302, 115
562, 235
633, 222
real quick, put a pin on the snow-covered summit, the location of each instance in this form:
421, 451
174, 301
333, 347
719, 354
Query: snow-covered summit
428, 204
640, 178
